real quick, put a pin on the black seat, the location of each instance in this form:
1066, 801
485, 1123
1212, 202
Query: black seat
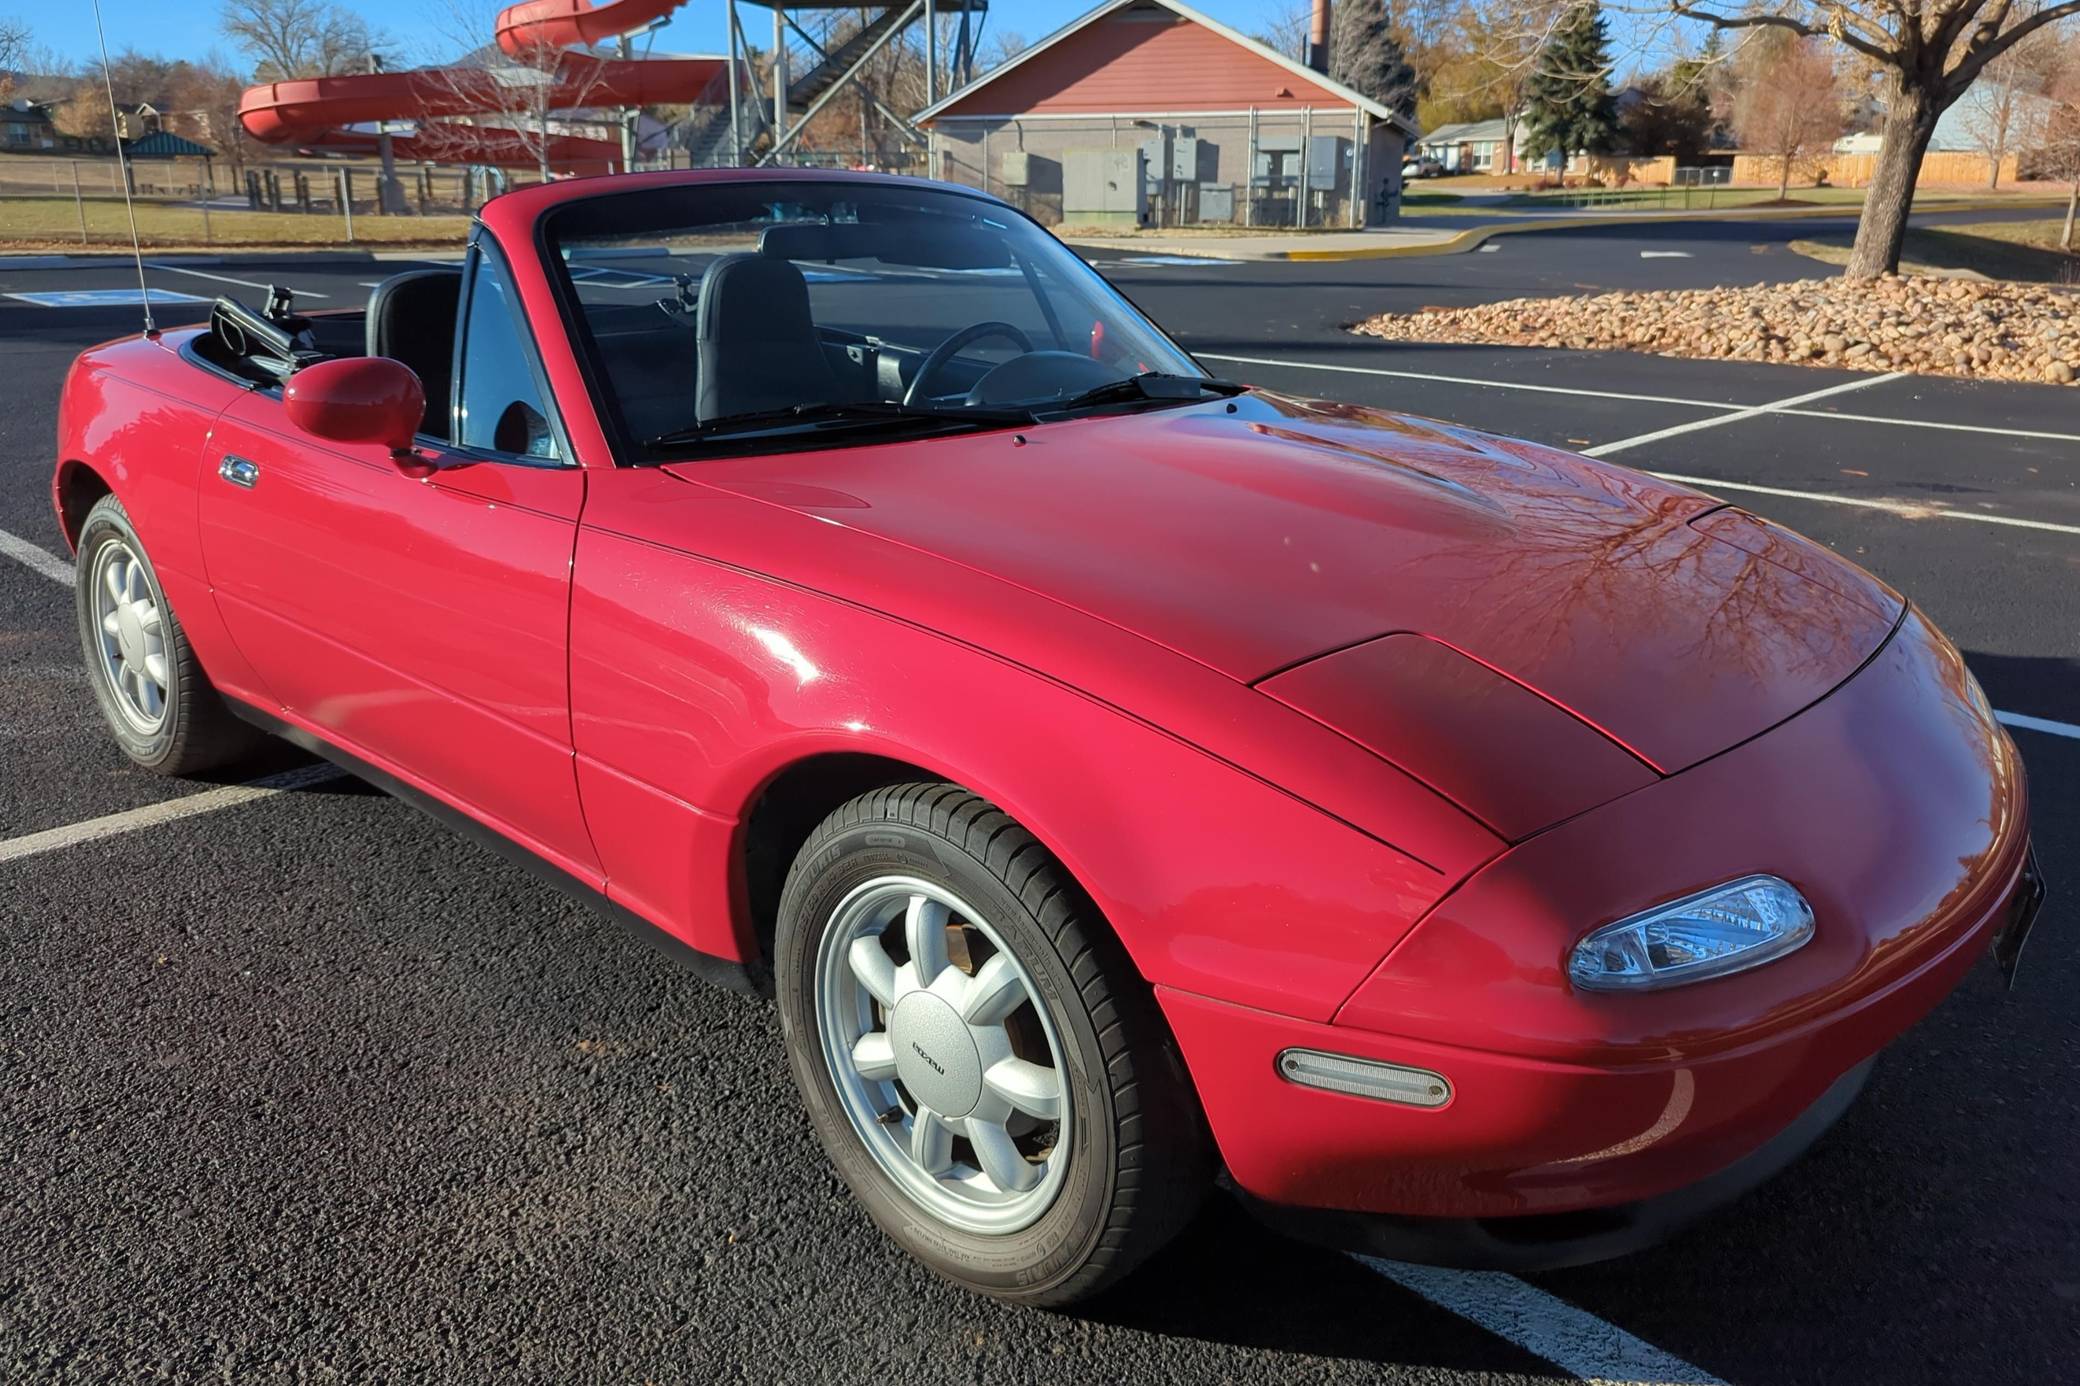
758, 346
411, 318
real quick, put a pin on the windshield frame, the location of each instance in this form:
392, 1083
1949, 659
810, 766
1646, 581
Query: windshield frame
630, 451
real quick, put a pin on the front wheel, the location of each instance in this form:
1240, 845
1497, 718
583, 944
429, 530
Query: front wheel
976, 1054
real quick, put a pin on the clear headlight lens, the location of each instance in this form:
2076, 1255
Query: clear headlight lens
1729, 928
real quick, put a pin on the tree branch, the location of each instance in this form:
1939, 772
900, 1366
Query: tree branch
1861, 42
1978, 55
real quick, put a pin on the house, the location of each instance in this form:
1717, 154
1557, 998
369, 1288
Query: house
25, 126
1474, 146
1149, 112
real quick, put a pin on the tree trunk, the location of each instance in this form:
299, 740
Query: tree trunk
1910, 121
1784, 179
2065, 238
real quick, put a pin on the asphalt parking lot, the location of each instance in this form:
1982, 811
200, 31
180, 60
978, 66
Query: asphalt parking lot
301, 1086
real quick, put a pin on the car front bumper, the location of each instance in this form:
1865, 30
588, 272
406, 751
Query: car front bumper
1579, 1125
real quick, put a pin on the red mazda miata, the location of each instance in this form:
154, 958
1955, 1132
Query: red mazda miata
1482, 854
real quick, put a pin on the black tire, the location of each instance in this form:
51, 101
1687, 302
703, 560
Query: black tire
197, 732
1138, 1154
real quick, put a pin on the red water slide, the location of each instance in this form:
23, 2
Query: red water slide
568, 23
310, 111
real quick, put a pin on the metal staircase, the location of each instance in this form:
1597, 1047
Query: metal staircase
813, 69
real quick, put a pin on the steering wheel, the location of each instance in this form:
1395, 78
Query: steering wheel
948, 349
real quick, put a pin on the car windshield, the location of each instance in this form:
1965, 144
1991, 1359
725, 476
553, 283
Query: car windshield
726, 316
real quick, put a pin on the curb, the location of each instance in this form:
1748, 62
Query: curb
1473, 237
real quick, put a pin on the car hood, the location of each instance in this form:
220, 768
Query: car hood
1255, 539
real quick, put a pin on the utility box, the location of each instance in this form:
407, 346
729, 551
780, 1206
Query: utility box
1104, 187
1017, 169
1216, 202
1328, 157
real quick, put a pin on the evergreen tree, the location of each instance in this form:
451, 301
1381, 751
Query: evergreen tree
1568, 101
1366, 55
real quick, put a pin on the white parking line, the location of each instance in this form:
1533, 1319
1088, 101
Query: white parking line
227, 279
1904, 509
170, 811
1721, 405
36, 557
1572, 1339
2037, 724
1469, 380
1751, 412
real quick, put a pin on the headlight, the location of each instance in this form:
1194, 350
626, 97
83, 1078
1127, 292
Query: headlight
1729, 928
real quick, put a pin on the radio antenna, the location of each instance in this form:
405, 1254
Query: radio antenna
115, 122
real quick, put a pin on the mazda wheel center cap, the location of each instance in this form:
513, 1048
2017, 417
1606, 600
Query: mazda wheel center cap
935, 1056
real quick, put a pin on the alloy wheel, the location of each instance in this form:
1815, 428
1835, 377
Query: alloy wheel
944, 1060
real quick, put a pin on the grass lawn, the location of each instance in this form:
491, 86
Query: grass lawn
53, 223
2019, 250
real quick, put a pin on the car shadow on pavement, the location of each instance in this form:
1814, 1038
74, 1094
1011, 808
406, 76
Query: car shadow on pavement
1228, 1280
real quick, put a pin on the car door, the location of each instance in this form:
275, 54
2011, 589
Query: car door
416, 613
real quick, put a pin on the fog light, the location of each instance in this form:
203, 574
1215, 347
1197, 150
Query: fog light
1726, 929
1411, 1087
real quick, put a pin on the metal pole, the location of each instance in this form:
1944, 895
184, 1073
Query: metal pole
985, 158
79, 203
208, 236
779, 79
1358, 169
931, 66
1306, 140
346, 201
736, 120
1249, 175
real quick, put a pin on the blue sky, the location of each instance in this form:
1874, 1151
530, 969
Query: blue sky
188, 28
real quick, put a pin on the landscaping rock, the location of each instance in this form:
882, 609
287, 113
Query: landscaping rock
1981, 330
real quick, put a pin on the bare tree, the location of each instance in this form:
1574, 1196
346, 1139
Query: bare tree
14, 52
300, 38
2005, 108
496, 107
1931, 52
2061, 151
1787, 104
1498, 44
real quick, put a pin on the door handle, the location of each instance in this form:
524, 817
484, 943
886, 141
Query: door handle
238, 471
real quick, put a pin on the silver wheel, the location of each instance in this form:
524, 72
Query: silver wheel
945, 1062
131, 629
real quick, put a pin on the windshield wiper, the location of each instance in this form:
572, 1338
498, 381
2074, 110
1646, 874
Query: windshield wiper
1156, 385
870, 413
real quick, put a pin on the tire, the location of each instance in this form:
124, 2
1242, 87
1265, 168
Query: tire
1125, 1163
171, 721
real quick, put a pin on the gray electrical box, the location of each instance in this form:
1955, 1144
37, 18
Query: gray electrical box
1104, 187
1216, 202
1015, 172
1184, 158
1328, 156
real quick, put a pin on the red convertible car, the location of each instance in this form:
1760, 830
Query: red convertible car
1117, 776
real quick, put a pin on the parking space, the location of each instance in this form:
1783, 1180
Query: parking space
306, 1083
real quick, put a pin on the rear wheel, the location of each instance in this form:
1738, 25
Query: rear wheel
978, 1057
152, 692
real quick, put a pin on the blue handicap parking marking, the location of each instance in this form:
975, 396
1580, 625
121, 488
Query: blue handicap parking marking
1177, 260
103, 298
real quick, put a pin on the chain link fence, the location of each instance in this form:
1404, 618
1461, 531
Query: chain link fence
211, 202
1292, 168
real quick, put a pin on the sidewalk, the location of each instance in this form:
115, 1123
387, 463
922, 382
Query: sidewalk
1405, 238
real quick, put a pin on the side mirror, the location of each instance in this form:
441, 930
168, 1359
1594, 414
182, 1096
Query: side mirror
358, 399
